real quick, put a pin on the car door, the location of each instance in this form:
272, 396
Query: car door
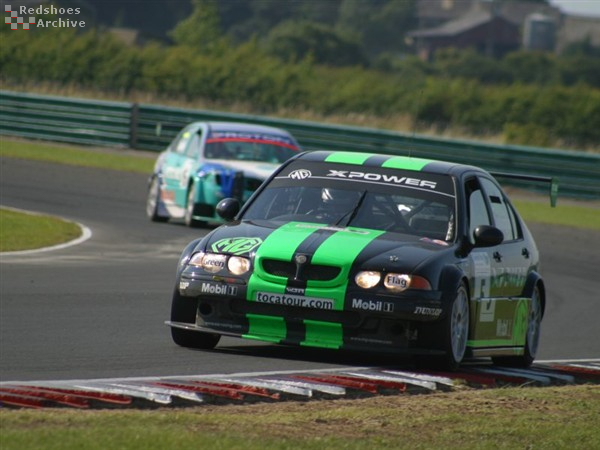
499, 271
509, 265
178, 166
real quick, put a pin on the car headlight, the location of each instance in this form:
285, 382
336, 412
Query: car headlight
238, 265
399, 282
367, 279
210, 262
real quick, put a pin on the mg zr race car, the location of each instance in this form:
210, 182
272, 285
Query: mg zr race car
361, 251
209, 161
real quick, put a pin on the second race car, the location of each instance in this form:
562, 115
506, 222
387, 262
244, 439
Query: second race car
209, 161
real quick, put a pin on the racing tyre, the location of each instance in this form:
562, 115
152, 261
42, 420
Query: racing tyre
152, 202
451, 335
189, 210
532, 338
183, 309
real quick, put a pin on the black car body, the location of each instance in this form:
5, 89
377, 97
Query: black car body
368, 252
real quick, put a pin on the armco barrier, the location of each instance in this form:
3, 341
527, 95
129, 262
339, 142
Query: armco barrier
152, 127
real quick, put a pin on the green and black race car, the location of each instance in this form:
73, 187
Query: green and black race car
368, 252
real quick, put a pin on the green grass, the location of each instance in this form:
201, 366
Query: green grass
22, 231
564, 214
76, 156
511, 418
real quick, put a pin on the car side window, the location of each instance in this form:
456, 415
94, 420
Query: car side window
181, 144
503, 218
477, 209
193, 145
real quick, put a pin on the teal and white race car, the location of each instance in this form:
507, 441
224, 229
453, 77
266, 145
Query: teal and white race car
209, 161
368, 252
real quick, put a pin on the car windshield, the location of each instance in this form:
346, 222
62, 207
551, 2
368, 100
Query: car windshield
261, 148
393, 201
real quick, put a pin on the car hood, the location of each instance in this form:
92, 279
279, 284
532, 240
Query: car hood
324, 245
251, 169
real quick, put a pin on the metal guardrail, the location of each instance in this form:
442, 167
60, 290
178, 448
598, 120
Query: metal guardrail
152, 127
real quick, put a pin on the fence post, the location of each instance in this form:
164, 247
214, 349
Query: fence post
133, 125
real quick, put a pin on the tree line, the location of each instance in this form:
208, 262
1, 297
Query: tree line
530, 98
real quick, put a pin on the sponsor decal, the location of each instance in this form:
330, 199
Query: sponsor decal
300, 174
183, 285
400, 281
372, 305
210, 260
390, 179
218, 289
295, 290
236, 246
370, 341
294, 300
224, 136
503, 328
425, 311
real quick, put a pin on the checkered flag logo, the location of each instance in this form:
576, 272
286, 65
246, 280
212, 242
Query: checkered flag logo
14, 20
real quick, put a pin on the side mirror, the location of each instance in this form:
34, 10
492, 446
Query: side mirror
228, 208
487, 236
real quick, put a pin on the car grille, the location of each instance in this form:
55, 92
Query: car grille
316, 272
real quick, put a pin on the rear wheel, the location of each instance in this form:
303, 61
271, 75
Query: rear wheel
152, 201
532, 338
183, 309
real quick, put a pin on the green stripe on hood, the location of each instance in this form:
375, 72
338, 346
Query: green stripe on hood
280, 244
341, 249
348, 158
406, 163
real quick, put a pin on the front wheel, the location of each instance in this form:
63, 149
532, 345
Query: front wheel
450, 335
183, 309
152, 201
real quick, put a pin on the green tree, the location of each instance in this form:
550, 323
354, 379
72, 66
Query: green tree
294, 41
201, 29
380, 24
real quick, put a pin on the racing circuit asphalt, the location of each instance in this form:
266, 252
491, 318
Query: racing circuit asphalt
96, 310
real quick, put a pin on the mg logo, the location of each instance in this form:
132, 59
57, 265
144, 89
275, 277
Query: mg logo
300, 174
236, 246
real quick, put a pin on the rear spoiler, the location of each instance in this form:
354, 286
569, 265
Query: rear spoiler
553, 182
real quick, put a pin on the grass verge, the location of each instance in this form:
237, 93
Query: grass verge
76, 156
519, 418
24, 231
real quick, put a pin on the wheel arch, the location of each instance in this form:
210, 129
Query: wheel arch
450, 279
534, 279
